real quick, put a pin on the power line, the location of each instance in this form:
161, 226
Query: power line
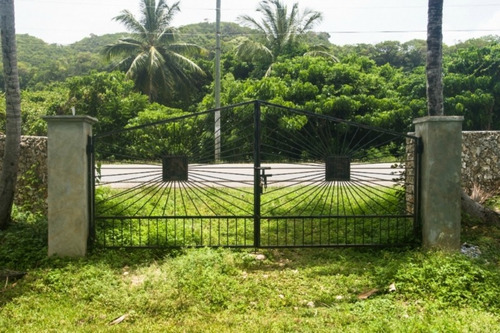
100, 4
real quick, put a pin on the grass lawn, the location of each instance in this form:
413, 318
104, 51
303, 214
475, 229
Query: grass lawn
216, 290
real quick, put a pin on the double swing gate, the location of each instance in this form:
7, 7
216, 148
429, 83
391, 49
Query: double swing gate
264, 176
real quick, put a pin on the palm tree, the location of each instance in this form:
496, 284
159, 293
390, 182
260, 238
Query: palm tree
8, 177
151, 57
279, 28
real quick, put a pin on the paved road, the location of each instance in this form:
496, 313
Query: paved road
242, 175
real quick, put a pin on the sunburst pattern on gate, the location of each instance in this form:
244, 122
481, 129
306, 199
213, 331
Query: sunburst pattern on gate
285, 177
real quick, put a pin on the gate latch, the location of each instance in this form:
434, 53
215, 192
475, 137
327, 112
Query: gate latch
263, 178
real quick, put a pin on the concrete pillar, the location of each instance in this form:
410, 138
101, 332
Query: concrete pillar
68, 206
440, 206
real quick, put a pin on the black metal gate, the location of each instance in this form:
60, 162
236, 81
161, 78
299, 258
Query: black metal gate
270, 177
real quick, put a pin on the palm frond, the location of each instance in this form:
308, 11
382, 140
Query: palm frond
167, 36
185, 63
249, 50
309, 19
165, 13
251, 23
268, 71
125, 46
322, 54
130, 22
188, 49
156, 61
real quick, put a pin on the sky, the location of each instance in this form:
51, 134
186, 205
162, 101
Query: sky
347, 22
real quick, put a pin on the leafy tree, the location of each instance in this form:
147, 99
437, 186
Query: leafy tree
38, 103
415, 52
157, 64
110, 97
8, 176
354, 89
278, 29
162, 139
472, 86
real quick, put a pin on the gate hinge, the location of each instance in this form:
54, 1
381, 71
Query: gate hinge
90, 145
420, 146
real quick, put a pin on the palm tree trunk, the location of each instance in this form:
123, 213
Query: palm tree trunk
8, 176
434, 66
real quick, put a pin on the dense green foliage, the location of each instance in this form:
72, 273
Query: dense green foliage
381, 85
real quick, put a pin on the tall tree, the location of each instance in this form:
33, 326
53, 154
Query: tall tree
434, 68
152, 57
279, 28
8, 177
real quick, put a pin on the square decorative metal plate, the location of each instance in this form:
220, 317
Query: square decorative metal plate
338, 168
175, 168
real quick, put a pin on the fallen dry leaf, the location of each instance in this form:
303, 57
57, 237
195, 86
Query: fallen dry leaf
367, 294
118, 320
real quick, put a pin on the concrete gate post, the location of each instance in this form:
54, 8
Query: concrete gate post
440, 205
68, 206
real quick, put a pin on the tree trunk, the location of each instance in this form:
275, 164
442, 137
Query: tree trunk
8, 177
434, 68
477, 211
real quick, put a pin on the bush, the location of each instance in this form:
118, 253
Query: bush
450, 280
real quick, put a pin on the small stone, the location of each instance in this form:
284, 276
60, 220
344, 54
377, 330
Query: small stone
310, 304
260, 257
470, 251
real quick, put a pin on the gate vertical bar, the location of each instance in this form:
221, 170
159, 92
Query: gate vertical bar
256, 182
91, 180
418, 148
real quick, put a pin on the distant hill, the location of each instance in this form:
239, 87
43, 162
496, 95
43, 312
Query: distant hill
41, 63
95, 43
203, 34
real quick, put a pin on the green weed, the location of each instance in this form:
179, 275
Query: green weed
220, 290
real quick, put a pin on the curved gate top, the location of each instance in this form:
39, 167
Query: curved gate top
270, 176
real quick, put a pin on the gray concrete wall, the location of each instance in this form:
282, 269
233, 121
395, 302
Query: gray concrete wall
440, 181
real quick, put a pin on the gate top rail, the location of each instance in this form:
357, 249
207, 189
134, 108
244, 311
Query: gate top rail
166, 121
260, 102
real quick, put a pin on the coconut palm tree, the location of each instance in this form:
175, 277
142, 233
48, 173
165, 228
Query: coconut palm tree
10, 167
151, 56
279, 28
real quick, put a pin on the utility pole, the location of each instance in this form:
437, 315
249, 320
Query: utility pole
217, 82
